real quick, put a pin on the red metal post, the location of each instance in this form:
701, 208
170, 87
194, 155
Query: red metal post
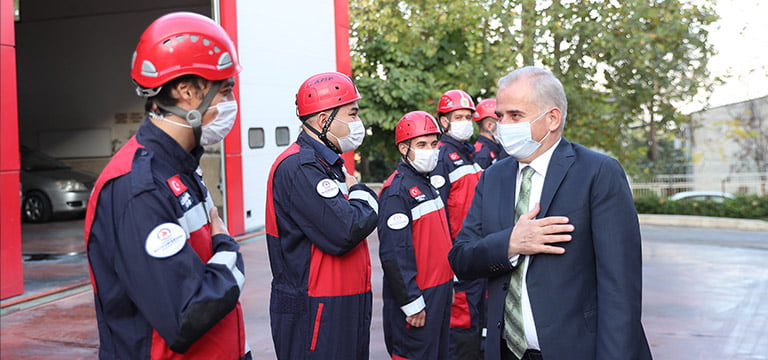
11, 272
233, 149
343, 58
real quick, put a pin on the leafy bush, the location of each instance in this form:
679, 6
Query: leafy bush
743, 206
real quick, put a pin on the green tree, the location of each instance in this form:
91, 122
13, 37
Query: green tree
407, 53
620, 62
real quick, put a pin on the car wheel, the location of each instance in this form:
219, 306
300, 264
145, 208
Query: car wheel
36, 207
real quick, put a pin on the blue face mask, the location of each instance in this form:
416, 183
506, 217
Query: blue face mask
516, 138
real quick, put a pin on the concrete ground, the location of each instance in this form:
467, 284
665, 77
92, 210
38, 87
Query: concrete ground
699, 302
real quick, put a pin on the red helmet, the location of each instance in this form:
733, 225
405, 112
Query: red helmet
455, 100
415, 124
182, 43
325, 91
485, 108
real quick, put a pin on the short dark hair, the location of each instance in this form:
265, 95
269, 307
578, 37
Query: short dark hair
484, 121
164, 97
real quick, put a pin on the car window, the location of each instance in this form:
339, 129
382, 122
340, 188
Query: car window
34, 161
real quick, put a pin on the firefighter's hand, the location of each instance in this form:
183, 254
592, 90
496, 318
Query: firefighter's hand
418, 319
349, 179
217, 225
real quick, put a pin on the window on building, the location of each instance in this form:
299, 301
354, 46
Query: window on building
282, 136
256, 138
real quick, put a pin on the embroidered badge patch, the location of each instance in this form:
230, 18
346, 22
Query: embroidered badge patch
327, 188
454, 156
178, 187
397, 221
437, 181
165, 240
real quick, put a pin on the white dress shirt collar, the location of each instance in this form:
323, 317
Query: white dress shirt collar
541, 162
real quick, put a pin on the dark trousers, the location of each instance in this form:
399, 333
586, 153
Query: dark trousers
528, 355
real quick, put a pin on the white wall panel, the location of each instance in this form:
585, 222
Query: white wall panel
280, 47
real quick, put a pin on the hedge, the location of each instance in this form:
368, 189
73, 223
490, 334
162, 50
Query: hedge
743, 207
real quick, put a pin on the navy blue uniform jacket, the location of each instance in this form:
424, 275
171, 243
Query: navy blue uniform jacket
586, 303
487, 152
163, 286
320, 305
414, 244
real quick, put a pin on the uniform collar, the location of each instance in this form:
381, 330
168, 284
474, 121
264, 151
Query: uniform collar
167, 149
486, 140
463, 146
328, 155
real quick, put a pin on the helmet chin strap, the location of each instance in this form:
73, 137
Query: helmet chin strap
324, 135
195, 116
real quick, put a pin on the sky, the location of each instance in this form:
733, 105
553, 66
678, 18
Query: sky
741, 40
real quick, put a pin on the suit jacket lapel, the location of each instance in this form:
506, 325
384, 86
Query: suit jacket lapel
561, 161
506, 211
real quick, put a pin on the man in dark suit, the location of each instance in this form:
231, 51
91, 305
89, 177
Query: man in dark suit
554, 229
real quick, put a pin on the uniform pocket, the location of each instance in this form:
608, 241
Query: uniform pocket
590, 318
316, 327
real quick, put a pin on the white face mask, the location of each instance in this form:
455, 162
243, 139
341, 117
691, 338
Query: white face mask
355, 137
424, 160
215, 131
516, 138
461, 130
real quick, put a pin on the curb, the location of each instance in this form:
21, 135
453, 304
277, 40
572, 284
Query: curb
703, 222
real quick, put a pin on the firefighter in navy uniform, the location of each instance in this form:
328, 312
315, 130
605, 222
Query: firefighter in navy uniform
487, 149
414, 243
317, 219
455, 178
166, 274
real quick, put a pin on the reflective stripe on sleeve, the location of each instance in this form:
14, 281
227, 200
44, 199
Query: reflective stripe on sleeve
365, 196
229, 259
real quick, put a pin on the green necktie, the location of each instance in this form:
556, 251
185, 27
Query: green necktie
513, 309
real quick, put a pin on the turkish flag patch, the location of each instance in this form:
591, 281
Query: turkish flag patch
178, 187
454, 156
414, 191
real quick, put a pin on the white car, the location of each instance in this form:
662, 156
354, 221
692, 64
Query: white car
50, 187
715, 196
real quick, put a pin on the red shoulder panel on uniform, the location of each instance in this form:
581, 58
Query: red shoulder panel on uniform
388, 182
118, 166
271, 218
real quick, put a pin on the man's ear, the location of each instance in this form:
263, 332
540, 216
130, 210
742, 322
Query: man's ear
555, 118
445, 122
320, 119
184, 92
402, 148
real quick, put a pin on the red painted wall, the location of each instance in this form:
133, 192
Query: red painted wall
11, 274
233, 148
